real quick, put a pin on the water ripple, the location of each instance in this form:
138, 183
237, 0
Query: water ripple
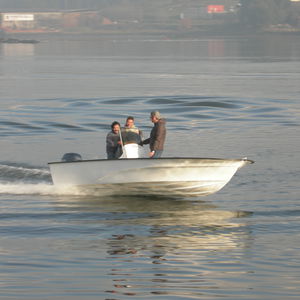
211, 104
49, 116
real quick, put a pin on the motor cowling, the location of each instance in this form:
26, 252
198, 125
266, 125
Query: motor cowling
67, 157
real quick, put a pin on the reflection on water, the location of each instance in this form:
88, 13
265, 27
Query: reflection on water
249, 47
267, 46
159, 246
17, 49
216, 48
121, 246
118, 247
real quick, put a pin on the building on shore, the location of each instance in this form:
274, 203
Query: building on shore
25, 22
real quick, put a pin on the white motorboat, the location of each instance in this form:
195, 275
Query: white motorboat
144, 176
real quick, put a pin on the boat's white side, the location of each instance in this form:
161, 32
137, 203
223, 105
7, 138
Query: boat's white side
141, 176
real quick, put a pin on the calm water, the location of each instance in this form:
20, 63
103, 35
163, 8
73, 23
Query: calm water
222, 97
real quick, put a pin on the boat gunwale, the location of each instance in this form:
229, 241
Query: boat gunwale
156, 159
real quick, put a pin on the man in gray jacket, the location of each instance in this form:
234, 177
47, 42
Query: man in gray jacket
157, 135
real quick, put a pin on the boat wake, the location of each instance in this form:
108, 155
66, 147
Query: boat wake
11, 172
18, 179
44, 189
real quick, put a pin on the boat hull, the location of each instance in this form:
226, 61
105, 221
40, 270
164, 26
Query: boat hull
162, 177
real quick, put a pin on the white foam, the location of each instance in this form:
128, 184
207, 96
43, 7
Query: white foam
25, 170
37, 189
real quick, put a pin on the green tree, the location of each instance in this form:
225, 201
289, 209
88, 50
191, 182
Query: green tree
259, 14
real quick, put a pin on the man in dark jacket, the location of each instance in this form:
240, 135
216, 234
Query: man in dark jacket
157, 135
113, 143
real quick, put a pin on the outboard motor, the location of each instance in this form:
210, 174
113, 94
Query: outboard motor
71, 157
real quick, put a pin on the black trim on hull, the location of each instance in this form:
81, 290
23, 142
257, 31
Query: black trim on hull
157, 159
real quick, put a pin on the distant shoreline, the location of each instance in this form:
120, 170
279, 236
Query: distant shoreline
146, 34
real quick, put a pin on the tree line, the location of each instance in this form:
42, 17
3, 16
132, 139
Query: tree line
52, 4
252, 13
264, 13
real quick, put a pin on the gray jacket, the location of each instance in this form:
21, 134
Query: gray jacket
157, 136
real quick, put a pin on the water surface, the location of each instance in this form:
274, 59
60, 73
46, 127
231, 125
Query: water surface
222, 97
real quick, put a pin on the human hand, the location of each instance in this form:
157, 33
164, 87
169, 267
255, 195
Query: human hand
151, 154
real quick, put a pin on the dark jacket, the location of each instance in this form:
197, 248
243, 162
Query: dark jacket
112, 147
157, 136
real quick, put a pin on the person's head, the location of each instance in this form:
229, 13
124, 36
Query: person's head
155, 116
129, 122
115, 126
